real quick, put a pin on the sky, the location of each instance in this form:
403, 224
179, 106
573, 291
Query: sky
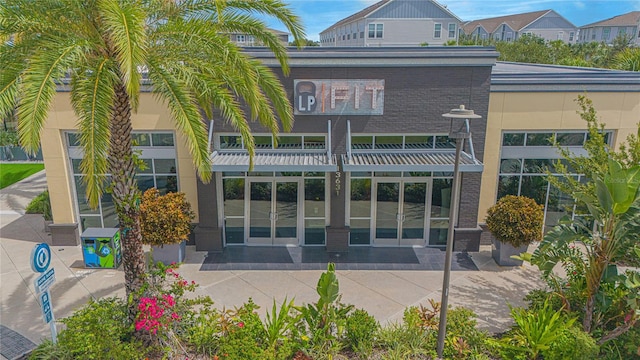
318, 15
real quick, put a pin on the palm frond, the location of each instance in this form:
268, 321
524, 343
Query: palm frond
39, 87
186, 114
10, 74
246, 24
272, 87
125, 24
92, 99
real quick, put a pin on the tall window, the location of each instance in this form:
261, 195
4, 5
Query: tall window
452, 30
375, 31
437, 31
523, 174
158, 169
606, 32
561, 35
571, 34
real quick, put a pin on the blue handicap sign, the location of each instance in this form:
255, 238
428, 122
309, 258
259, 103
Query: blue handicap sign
40, 258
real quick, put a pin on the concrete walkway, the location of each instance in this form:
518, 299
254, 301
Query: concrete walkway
384, 294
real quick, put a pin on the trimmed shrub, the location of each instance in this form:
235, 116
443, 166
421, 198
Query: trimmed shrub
40, 204
516, 220
361, 330
165, 219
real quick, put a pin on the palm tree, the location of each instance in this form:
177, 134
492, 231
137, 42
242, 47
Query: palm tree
106, 51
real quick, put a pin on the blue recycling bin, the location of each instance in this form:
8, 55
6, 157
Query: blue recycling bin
101, 248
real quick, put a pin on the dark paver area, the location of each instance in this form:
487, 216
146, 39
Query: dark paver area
14, 346
316, 258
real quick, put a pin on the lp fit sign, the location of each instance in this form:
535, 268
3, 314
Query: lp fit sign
338, 97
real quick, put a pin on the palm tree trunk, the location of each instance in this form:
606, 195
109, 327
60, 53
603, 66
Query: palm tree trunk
126, 194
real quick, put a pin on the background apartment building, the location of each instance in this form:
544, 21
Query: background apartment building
395, 23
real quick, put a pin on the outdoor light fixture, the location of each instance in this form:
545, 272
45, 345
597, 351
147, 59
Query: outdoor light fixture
459, 130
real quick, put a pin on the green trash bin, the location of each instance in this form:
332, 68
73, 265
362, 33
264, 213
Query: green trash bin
101, 248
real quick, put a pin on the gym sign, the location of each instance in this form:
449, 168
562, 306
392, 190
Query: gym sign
338, 97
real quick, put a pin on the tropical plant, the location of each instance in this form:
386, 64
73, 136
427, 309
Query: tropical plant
8, 138
627, 59
105, 50
165, 219
534, 331
598, 151
591, 253
279, 325
325, 320
41, 204
515, 220
572, 344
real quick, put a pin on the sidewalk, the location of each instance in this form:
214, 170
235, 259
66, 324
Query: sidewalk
383, 293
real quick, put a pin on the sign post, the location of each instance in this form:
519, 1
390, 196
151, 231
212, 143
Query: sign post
40, 261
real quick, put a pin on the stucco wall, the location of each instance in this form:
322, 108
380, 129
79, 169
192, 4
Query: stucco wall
151, 115
548, 111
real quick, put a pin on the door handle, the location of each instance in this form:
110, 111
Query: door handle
275, 216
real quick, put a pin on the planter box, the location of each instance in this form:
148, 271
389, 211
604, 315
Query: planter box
467, 239
169, 253
502, 253
64, 234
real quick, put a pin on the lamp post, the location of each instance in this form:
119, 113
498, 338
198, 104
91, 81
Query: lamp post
459, 130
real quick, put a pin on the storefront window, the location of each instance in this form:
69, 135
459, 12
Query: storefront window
570, 139
156, 171
441, 198
362, 142
389, 142
513, 139
539, 139
360, 213
530, 179
233, 189
290, 142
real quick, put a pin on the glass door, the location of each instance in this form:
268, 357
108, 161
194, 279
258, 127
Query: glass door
273, 212
260, 213
286, 213
400, 213
413, 218
387, 215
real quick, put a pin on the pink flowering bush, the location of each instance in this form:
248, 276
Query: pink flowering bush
162, 307
154, 314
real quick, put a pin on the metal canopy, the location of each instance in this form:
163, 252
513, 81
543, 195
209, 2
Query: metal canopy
436, 161
274, 161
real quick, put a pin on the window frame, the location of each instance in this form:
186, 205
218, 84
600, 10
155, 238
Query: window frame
375, 31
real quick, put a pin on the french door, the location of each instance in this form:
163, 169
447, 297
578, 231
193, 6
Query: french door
400, 212
272, 212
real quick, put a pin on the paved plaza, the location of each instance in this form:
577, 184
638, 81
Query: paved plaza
477, 282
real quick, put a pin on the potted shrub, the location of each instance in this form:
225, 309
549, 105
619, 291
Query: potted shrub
41, 204
515, 222
165, 224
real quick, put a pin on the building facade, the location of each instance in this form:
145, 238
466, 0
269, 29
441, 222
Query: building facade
546, 24
395, 23
368, 161
625, 25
